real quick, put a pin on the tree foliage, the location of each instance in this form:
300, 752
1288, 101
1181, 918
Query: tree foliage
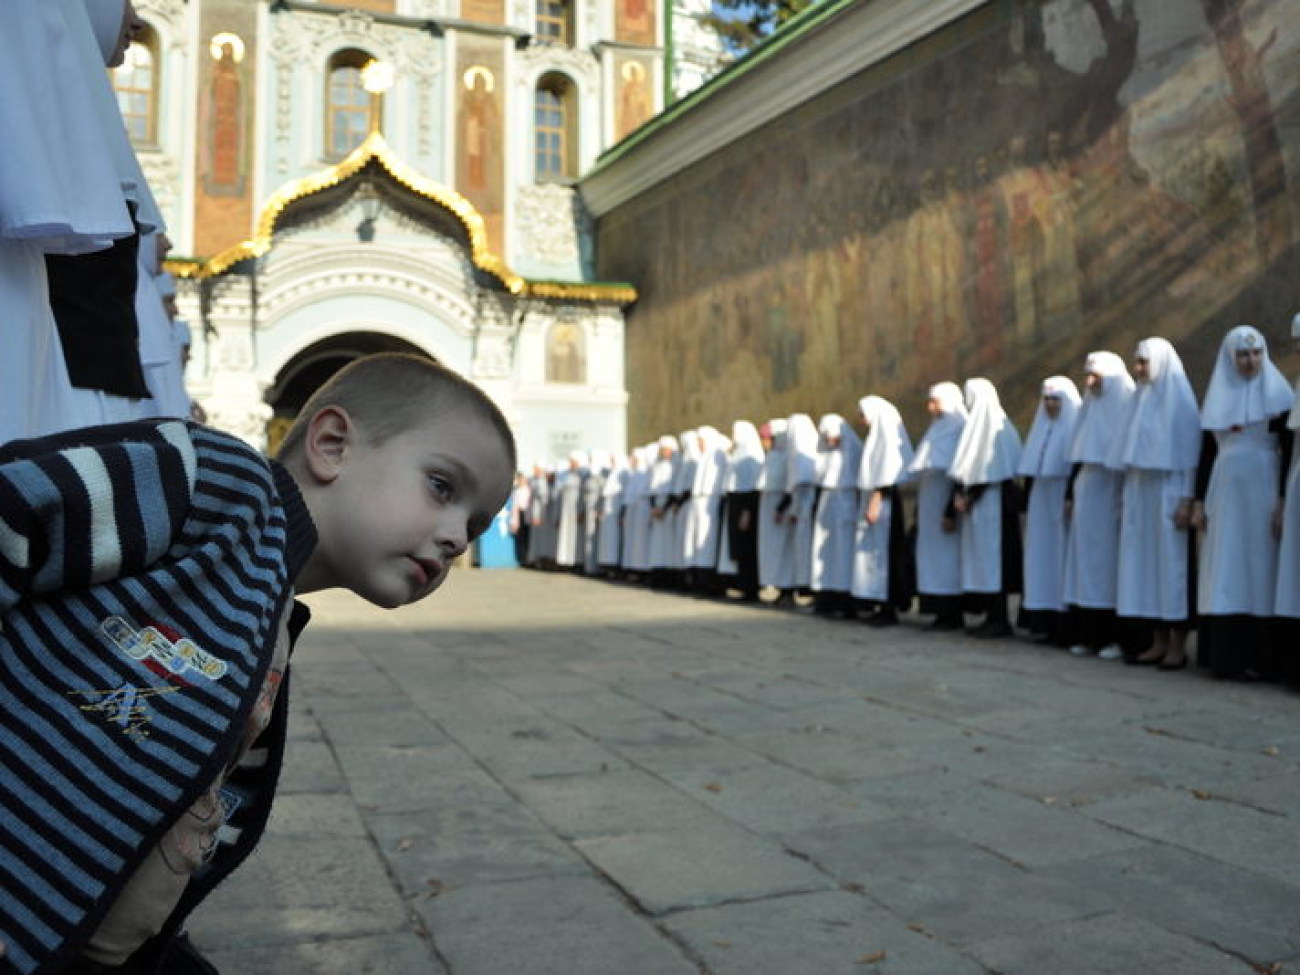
742, 24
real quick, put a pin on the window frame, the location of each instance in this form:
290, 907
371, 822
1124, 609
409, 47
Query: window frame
146, 40
564, 92
346, 59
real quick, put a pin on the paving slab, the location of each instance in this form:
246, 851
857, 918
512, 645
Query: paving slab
548, 926
712, 865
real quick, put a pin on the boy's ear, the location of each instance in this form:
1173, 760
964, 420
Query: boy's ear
330, 436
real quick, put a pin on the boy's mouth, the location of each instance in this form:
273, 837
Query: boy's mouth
426, 570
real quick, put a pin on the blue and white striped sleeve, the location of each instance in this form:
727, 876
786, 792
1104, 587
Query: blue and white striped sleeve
91, 508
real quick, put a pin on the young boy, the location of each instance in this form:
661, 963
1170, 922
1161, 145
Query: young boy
146, 617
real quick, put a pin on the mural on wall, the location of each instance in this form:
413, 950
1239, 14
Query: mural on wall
566, 356
634, 103
634, 21
1033, 182
480, 147
224, 115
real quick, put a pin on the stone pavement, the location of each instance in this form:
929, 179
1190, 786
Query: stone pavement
548, 775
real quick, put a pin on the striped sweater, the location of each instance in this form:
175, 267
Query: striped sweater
143, 571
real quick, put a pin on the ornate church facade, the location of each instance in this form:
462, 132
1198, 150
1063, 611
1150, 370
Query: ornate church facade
397, 174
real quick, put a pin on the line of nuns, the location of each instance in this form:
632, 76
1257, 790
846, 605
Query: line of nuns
1142, 515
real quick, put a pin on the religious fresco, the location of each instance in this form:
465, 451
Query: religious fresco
634, 101
566, 355
634, 22
480, 109
1040, 179
223, 197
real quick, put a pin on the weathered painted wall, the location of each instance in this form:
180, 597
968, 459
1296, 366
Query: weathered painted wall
1038, 180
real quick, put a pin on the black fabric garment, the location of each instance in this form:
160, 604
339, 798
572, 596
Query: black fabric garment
742, 506
93, 300
1240, 646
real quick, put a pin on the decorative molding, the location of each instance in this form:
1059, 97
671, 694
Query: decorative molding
759, 90
164, 178
545, 218
535, 60
169, 11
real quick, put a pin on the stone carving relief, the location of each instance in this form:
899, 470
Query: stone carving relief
584, 67
162, 175
168, 11
545, 214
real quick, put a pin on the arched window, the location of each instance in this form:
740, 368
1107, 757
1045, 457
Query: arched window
348, 106
136, 83
566, 354
555, 129
554, 25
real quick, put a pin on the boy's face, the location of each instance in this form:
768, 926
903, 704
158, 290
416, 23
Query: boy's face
399, 512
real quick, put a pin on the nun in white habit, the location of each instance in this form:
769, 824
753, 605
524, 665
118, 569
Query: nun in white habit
593, 486
60, 193
1093, 499
1157, 450
738, 553
987, 504
1287, 605
638, 511
706, 508
836, 515
1238, 489
938, 543
539, 495
688, 462
1045, 465
879, 577
664, 555
609, 531
775, 531
801, 493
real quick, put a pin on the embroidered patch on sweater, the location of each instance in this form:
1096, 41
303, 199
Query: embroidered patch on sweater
163, 651
124, 706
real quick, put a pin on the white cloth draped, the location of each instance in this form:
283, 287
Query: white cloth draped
1104, 411
1231, 399
886, 453
1153, 570
1092, 543
1162, 431
1047, 448
1238, 556
938, 553
1288, 560
989, 449
981, 543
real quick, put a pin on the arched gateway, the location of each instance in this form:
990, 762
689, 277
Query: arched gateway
368, 256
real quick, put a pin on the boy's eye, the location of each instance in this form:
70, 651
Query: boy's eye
442, 488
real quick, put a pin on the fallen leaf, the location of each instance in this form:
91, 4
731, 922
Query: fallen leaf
713, 787
722, 944
405, 844
1201, 794
871, 959
1270, 750
918, 928
1050, 800
852, 888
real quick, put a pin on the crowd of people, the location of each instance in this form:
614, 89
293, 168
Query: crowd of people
1129, 517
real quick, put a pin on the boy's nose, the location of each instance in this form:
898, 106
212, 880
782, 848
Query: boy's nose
453, 534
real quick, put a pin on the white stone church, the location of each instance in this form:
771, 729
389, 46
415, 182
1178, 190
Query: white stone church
399, 174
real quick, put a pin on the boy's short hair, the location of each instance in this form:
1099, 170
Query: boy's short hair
392, 392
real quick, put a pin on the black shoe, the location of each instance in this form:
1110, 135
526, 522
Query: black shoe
992, 630
946, 623
1166, 665
884, 617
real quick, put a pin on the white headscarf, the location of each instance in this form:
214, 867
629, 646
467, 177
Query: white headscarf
1102, 414
688, 461
617, 477
1047, 447
839, 465
773, 477
712, 470
663, 471
1231, 400
1163, 430
989, 449
745, 465
800, 451
939, 444
887, 449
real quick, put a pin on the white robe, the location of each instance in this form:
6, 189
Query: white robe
832, 540
981, 543
636, 534
803, 496
1153, 565
568, 533
938, 553
1238, 551
871, 551
775, 544
1044, 556
609, 534
1092, 540
1288, 562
